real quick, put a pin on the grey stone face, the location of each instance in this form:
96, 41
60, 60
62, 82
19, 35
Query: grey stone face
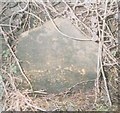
54, 62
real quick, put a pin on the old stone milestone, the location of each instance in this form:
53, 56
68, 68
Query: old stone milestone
54, 62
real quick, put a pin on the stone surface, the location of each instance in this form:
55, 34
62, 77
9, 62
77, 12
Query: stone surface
54, 62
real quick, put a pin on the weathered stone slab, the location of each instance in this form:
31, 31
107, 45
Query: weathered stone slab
54, 62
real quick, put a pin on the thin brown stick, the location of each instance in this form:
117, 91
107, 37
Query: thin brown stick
70, 37
16, 59
102, 43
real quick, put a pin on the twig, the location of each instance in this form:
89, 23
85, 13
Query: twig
34, 16
11, 78
75, 17
102, 43
106, 86
72, 88
36, 107
98, 60
16, 59
22, 10
66, 36
7, 25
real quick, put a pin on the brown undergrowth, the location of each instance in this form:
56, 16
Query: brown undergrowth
98, 20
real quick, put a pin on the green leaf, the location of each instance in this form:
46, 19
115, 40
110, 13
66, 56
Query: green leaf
5, 53
13, 68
